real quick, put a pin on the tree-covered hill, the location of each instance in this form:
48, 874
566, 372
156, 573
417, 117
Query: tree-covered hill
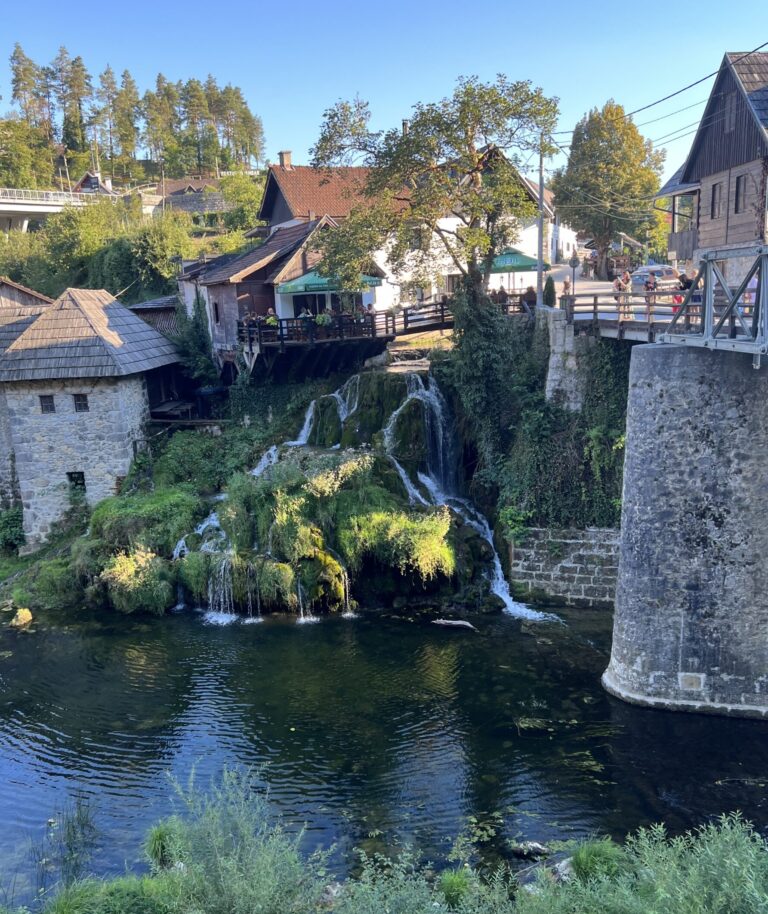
66, 120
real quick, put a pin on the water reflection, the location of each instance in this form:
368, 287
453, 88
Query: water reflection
371, 732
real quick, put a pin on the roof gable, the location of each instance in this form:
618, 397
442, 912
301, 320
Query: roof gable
85, 333
13, 295
732, 130
280, 243
307, 190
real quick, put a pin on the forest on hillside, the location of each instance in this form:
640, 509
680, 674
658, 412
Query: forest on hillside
66, 120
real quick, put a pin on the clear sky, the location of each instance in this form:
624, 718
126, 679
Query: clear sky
294, 59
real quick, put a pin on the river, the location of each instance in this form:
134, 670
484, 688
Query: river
372, 732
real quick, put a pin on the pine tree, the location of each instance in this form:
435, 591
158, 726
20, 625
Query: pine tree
106, 95
25, 77
127, 112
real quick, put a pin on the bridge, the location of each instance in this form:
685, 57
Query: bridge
18, 207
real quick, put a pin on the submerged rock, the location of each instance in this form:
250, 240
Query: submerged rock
530, 850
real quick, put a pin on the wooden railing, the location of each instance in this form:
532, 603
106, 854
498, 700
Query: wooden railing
257, 333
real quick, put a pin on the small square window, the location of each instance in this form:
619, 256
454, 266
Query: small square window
76, 482
741, 194
47, 404
81, 403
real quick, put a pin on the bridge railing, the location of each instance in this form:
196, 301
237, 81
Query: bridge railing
52, 196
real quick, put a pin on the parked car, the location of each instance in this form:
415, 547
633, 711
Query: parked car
667, 278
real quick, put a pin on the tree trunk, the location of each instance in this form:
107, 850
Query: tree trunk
601, 268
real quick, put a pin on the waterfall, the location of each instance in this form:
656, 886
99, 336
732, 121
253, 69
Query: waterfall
221, 604
306, 428
268, 459
305, 616
347, 397
441, 479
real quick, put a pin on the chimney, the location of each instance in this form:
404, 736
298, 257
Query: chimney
285, 159
312, 215
406, 126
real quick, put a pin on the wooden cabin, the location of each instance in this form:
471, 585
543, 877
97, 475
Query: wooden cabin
719, 194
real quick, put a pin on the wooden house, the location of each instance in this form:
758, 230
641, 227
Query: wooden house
719, 194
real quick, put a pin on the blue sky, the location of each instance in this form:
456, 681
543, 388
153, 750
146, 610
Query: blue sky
294, 59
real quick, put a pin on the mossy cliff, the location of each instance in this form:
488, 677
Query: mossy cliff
320, 528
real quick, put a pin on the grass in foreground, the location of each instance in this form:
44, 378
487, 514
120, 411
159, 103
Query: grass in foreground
222, 855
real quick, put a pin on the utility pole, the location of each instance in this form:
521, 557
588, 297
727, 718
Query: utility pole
540, 264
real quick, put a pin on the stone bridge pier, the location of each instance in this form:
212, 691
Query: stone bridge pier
691, 624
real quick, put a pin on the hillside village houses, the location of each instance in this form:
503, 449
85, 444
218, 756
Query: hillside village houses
298, 202
719, 195
77, 377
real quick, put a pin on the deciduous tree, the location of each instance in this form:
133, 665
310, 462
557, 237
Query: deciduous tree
459, 158
608, 185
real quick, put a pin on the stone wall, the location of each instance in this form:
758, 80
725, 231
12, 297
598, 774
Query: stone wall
571, 567
692, 597
6, 455
565, 383
98, 443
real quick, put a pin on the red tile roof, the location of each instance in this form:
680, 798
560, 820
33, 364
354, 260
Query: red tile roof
322, 191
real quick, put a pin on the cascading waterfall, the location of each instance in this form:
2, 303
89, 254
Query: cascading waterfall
441, 480
268, 458
305, 615
306, 428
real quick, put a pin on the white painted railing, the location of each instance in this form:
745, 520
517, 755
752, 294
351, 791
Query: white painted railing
52, 196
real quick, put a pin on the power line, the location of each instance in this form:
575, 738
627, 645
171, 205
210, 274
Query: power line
684, 89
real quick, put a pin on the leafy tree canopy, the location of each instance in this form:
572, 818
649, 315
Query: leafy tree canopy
608, 185
459, 158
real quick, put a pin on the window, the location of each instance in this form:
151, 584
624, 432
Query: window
76, 483
46, 403
716, 206
81, 402
741, 194
216, 316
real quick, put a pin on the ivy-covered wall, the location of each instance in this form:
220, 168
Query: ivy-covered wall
531, 461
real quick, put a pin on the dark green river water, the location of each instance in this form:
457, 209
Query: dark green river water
371, 732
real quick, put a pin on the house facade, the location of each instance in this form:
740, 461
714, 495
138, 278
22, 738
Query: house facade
718, 195
74, 384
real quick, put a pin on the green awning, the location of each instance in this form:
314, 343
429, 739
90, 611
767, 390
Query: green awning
514, 261
314, 282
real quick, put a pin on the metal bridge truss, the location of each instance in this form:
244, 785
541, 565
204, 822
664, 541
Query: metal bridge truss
715, 316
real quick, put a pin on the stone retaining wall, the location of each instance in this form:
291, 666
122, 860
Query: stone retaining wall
572, 567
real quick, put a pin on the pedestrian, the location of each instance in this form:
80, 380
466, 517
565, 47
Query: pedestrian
529, 298
501, 296
651, 287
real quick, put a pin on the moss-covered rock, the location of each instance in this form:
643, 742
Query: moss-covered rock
139, 581
379, 395
326, 431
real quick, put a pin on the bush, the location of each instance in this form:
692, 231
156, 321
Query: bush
454, 884
594, 859
550, 295
193, 572
157, 520
722, 867
11, 530
124, 895
56, 585
193, 458
138, 582
235, 861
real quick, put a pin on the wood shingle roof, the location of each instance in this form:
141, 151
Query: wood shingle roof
752, 71
85, 333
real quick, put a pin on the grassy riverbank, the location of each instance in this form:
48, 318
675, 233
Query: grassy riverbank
221, 855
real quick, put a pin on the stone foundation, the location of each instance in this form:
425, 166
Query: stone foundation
692, 598
570, 567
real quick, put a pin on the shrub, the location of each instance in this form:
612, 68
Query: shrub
194, 570
722, 867
594, 859
161, 844
138, 581
11, 530
409, 542
57, 585
550, 295
454, 884
190, 457
235, 861
124, 895
157, 519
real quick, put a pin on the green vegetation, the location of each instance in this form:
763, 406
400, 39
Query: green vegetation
11, 532
190, 127
538, 463
138, 581
156, 519
610, 162
221, 854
